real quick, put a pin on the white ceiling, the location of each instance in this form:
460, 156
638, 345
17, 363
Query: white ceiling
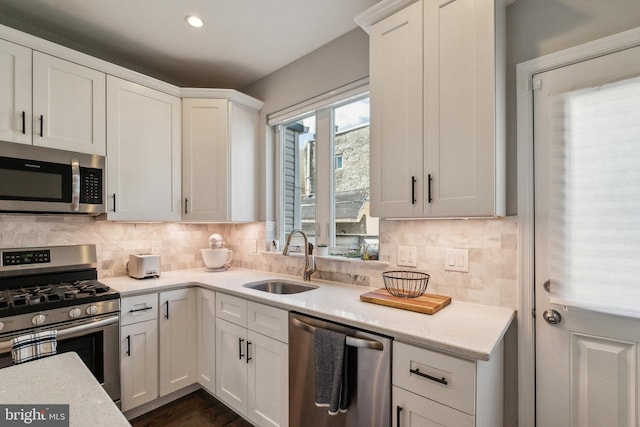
241, 42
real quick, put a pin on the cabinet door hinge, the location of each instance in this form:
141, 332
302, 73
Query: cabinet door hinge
533, 313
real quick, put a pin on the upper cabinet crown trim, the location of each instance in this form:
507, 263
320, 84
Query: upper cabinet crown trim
229, 94
62, 52
386, 8
45, 46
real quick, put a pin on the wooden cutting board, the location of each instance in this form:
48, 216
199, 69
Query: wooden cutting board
426, 303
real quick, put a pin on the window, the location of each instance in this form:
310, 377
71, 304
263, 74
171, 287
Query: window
324, 175
595, 198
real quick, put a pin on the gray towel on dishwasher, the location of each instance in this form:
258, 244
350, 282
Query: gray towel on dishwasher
332, 373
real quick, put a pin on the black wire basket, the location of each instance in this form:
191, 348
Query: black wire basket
405, 284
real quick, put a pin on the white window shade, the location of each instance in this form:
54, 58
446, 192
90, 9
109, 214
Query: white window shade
595, 199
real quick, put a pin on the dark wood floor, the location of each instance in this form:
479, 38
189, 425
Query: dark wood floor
198, 409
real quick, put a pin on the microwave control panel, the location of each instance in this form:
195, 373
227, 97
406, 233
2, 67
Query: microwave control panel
91, 186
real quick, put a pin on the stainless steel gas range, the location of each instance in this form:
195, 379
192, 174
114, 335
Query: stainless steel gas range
56, 288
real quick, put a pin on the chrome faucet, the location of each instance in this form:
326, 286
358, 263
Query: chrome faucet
309, 259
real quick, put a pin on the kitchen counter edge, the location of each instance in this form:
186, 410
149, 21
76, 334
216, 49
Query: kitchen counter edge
467, 330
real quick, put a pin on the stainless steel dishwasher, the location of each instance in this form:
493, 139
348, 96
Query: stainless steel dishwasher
370, 401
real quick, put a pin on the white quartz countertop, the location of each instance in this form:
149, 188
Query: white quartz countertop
463, 329
61, 379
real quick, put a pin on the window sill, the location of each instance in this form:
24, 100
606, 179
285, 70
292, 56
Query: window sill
381, 263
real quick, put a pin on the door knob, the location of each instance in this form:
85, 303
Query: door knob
552, 317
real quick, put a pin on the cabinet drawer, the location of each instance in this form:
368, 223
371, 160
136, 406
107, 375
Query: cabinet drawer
436, 376
270, 321
231, 309
138, 309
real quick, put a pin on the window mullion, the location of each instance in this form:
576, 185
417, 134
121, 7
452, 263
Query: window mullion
324, 185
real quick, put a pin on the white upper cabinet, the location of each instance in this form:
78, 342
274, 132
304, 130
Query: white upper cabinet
437, 110
143, 153
68, 105
15, 93
464, 113
50, 102
219, 159
396, 114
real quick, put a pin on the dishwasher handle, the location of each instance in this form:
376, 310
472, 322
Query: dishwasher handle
350, 340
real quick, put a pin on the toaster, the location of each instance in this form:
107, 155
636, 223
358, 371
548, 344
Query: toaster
141, 266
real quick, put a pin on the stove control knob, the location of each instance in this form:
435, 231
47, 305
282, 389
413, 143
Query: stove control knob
1, 326
92, 310
75, 312
38, 319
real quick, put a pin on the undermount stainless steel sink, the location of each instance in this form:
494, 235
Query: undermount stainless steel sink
280, 287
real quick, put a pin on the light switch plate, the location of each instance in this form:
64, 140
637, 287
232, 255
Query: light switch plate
457, 260
407, 256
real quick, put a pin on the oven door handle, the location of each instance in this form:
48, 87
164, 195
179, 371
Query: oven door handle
71, 332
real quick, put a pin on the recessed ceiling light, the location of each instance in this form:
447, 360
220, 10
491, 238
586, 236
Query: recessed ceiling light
194, 21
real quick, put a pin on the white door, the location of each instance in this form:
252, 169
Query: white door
206, 328
177, 340
411, 410
205, 140
143, 152
68, 105
587, 200
231, 365
139, 363
268, 381
396, 114
15, 93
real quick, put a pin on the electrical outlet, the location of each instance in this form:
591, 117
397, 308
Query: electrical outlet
457, 260
407, 256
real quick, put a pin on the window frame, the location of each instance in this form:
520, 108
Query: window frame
323, 107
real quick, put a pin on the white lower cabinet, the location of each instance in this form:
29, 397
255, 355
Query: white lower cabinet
268, 380
177, 339
231, 366
252, 367
157, 345
412, 410
139, 350
206, 339
435, 389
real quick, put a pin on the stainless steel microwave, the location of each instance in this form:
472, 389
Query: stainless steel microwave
38, 179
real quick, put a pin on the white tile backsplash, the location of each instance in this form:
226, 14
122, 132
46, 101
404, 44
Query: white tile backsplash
492, 244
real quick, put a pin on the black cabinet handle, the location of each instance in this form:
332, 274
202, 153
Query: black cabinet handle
41, 125
128, 345
442, 380
140, 309
167, 304
114, 201
186, 203
413, 190
398, 410
240, 341
24, 122
248, 344
430, 180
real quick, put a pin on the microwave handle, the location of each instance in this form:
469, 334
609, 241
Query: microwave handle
75, 185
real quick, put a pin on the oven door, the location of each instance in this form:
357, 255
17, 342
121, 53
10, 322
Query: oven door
95, 341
